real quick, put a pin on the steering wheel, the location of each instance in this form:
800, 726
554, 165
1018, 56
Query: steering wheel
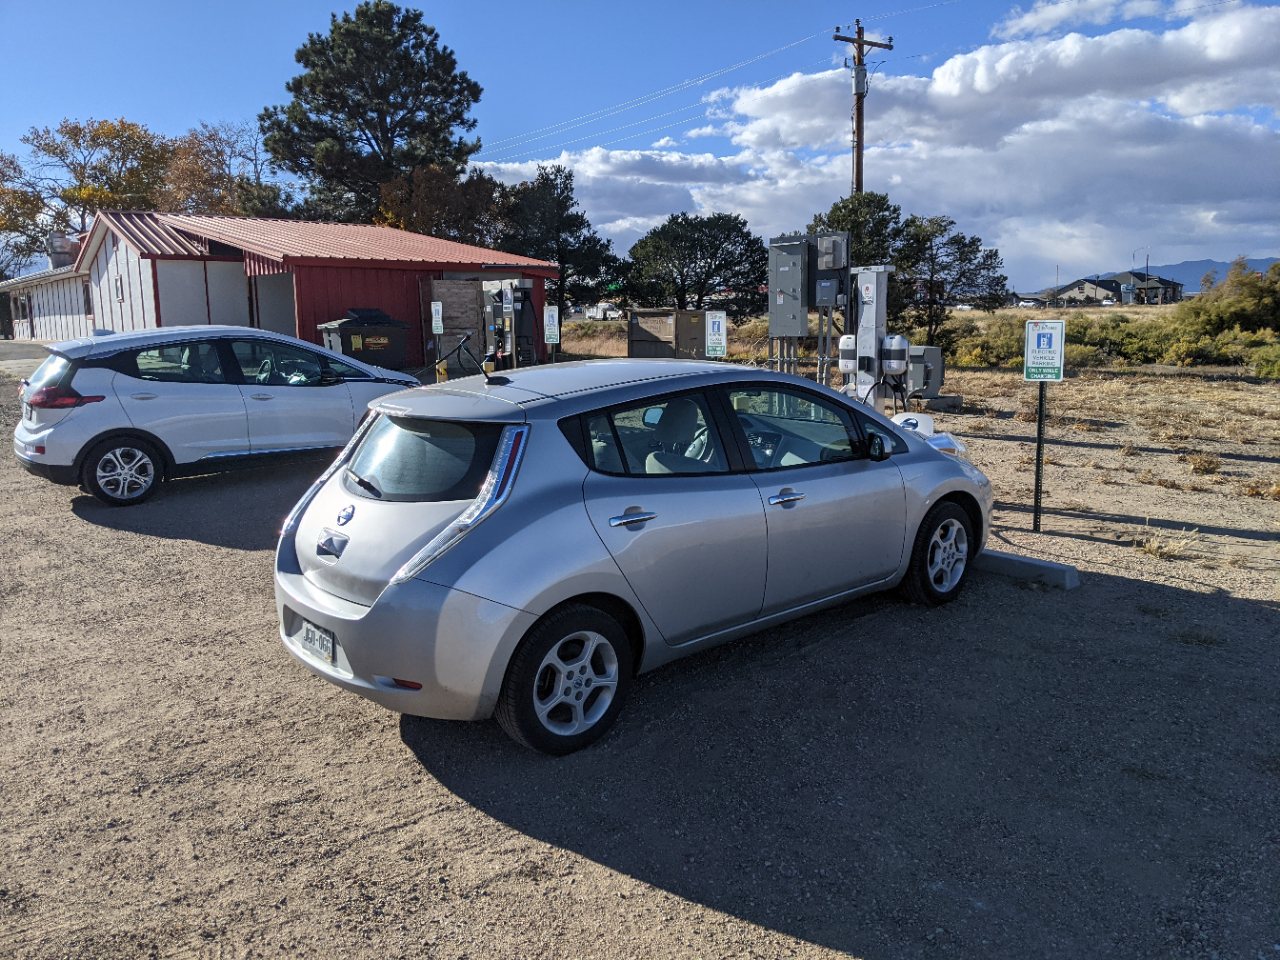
265, 370
697, 447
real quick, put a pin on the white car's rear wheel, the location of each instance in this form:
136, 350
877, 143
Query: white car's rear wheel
122, 472
567, 681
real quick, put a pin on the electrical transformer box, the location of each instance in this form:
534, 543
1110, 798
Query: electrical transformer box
791, 286
926, 372
831, 259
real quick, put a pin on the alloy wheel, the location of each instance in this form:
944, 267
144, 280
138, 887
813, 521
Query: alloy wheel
125, 473
575, 683
948, 554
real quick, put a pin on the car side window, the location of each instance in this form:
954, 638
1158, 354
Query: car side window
274, 364
344, 370
180, 363
792, 428
892, 442
674, 436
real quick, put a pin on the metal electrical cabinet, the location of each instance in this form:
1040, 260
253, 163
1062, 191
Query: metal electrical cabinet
917, 374
791, 286
678, 335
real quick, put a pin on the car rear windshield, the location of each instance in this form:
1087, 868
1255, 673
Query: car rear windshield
49, 372
409, 459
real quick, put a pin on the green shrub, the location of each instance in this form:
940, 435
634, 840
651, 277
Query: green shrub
1266, 361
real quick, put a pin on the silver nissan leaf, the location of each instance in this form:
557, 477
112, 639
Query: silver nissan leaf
522, 546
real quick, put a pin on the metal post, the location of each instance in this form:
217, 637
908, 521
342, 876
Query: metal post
1035, 524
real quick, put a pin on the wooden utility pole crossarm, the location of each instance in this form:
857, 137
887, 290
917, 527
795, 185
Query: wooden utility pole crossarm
860, 43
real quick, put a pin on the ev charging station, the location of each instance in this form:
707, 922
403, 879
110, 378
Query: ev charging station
812, 272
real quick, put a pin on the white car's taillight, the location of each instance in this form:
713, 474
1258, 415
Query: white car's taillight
291, 522
497, 485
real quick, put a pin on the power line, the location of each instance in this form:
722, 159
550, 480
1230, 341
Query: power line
509, 157
525, 140
650, 97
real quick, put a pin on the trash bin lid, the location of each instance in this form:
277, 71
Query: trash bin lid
370, 317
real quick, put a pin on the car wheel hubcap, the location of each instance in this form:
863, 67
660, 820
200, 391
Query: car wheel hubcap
125, 473
576, 683
948, 553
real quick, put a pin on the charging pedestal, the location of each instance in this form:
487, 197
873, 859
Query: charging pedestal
870, 295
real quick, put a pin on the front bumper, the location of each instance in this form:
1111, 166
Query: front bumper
455, 644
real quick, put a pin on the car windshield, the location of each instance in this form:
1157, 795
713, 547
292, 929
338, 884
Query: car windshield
410, 459
49, 372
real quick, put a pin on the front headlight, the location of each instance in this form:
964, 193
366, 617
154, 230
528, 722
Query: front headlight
497, 485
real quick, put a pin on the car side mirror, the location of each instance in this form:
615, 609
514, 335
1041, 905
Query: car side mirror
328, 378
876, 449
652, 416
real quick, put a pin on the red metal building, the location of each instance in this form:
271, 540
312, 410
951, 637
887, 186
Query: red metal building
141, 270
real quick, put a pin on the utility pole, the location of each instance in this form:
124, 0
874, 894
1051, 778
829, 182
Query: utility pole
860, 43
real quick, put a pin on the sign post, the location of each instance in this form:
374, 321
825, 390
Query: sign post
551, 328
1042, 362
717, 333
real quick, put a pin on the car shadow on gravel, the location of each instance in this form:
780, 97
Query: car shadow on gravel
239, 510
1023, 773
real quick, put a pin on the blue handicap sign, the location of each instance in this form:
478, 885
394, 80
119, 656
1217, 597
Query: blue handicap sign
1044, 341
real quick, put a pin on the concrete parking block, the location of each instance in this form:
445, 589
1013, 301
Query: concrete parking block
1060, 575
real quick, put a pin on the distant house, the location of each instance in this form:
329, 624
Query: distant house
135, 271
1090, 288
1148, 288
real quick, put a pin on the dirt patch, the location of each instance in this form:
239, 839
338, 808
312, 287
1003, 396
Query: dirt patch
1023, 773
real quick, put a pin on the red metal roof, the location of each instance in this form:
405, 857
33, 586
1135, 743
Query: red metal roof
300, 239
148, 233
285, 241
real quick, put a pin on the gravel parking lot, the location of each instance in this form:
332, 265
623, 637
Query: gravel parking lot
1025, 773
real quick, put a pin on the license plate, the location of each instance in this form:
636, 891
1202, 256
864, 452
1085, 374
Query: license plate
28, 412
317, 641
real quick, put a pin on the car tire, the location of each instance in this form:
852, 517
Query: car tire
123, 472
567, 681
941, 556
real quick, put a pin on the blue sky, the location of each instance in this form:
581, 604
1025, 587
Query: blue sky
1067, 134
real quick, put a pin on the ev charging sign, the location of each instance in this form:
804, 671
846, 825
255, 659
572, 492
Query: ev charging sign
437, 317
1044, 350
717, 333
551, 324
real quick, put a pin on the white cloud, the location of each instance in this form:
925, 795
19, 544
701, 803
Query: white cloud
1068, 151
664, 143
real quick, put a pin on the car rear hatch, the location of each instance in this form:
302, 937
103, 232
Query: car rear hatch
47, 395
407, 481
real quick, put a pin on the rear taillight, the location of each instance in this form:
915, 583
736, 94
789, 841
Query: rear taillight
59, 398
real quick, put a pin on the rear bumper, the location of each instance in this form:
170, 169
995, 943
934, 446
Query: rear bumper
455, 644
58, 473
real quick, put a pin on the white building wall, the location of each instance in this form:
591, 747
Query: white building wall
228, 293
275, 303
130, 303
183, 296
57, 310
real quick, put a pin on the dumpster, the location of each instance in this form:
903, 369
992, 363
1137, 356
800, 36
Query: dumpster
369, 335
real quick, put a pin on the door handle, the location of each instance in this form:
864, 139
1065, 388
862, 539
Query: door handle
628, 518
144, 396
262, 396
785, 498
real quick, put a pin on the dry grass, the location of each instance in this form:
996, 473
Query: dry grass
1164, 548
1204, 463
1262, 490
1128, 450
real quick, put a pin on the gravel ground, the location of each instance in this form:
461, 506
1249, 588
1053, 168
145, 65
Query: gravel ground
1023, 773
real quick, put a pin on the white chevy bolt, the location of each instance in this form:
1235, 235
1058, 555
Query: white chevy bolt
120, 413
